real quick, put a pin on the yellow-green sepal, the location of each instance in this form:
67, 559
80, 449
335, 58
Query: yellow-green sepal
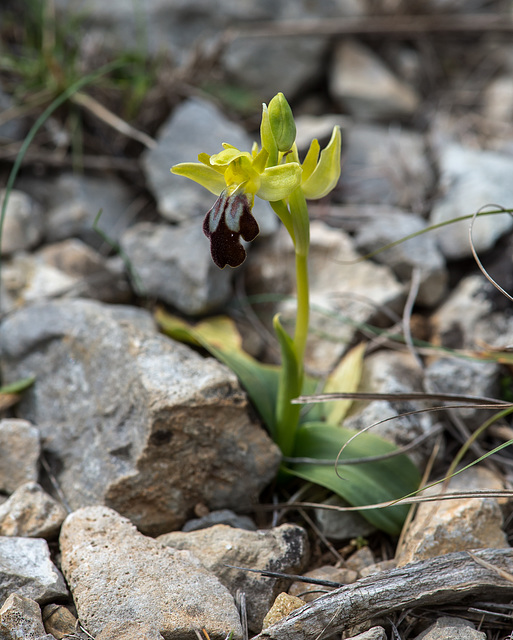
204, 175
327, 172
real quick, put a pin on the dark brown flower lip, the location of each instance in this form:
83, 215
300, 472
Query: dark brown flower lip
229, 220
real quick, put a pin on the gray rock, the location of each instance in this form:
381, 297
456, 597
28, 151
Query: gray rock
309, 127
498, 99
378, 226
469, 180
131, 418
23, 223
462, 376
336, 290
392, 372
223, 516
129, 630
19, 453
75, 201
32, 513
455, 322
267, 65
26, 568
462, 524
20, 619
66, 269
450, 628
375, 633
365, 87
174, 265
369, 177
284, 549
195, 126
339, 525
60, 622
166, 590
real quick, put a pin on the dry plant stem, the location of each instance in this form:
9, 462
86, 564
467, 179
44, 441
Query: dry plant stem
112, 119
437, 581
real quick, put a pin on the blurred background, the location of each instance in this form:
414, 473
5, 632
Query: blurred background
422, 90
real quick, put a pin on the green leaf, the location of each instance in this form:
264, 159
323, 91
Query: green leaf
345, 377
220, 337
18, 386
360, 484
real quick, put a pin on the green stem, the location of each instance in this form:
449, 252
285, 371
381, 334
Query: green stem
301, 220
293, 350
303, 311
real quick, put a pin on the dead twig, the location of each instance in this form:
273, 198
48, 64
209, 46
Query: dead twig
437, 581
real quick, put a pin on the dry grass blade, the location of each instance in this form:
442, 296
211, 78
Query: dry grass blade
112, 119
476, 257
455, 495
288, 576
500, 572
444, 397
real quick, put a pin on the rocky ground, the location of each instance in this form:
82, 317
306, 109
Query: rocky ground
135, 477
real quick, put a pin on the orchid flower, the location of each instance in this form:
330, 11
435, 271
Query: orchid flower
236, 177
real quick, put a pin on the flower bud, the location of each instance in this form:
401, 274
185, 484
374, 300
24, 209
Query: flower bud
282, 122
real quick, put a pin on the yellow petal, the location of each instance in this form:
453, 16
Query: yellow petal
280, 181
207, 177
327, 172
228, 155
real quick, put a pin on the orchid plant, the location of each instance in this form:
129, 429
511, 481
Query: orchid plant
273, 171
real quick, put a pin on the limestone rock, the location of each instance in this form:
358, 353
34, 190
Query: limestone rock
365, 87
32, 513
19, 453
340, 525
468, 377
65, 269
26, 568
59, 621
368, 175
282, 606
456, 525
131, 418
20, 619
197, 285
378, 226
74, 202
221, 516
471, 179
283, 549
119, 576
23, 224
450, 628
